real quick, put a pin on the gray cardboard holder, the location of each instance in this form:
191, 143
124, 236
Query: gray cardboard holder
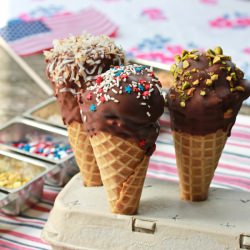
80, 219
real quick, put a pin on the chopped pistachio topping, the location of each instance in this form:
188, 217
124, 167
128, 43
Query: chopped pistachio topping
203, 93
210, 52
233, 75
216, 59
183, 104
218, 51
193, 56
227, 58
190, 91
196, 70
185, 57
185, 85
173, 68
193, 51
187, 73
179, 71
196, 82
185, 64
239, 88
184, 52
209, 82
214, 77
177, 58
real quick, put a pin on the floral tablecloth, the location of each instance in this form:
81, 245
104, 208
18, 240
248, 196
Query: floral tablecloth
156, 30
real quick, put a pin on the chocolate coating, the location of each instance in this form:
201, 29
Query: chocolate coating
208, 93
74, 63
126, 103
68, 104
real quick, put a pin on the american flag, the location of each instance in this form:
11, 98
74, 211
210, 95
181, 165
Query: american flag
35, 36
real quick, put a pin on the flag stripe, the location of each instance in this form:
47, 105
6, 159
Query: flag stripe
88, 20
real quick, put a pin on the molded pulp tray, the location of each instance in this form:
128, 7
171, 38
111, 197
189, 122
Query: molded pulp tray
81, 219
18, 129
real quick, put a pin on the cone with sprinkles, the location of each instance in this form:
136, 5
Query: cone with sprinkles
72, 65
207, 94
121, 113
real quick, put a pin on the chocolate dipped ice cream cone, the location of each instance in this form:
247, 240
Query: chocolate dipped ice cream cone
121, 116
72, 65
206, 97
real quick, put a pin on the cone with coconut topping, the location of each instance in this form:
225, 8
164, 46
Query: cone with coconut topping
121, 115
207, 94
72, 65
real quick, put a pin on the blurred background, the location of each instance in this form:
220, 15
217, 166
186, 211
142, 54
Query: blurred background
147, 30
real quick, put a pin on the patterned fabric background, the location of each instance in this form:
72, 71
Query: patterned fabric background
156, 30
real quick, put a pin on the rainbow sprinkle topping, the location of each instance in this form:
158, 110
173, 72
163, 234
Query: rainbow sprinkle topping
116, 81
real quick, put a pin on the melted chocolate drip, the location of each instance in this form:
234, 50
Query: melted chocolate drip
67, 100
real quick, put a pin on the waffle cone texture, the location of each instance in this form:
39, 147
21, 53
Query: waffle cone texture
123, 166
197, 158
79, 141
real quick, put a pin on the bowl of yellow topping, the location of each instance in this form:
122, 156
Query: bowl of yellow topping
21, 181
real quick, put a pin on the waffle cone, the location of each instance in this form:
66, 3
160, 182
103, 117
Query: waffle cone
123, 166
197, 158
79, 141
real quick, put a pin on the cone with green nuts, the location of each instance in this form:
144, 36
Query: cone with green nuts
204, 101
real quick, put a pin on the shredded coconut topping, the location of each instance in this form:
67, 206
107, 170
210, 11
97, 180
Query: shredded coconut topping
78, 57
